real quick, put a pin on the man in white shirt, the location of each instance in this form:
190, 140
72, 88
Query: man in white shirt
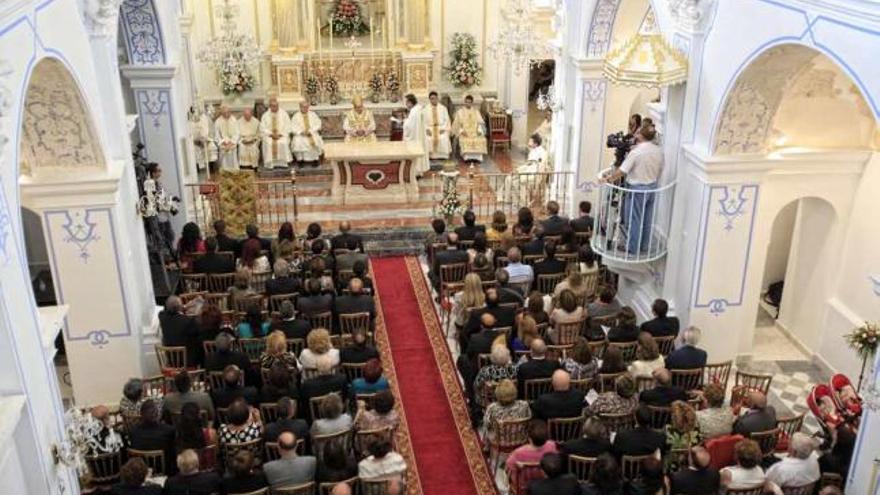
642, 168
521, 275
801, 467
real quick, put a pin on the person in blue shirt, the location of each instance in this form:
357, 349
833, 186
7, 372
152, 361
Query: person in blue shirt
253, 325
372, 381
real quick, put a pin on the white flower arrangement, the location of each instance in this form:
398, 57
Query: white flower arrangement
464, 71
864, 340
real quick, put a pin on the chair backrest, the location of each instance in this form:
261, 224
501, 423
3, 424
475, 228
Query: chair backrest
221, 414
322, 320
807, 489
645, 383
753, 381
660, 416
591, 281
568, 333
628, 349
272, 452
580, 466
511, 433
276, 300
721, 450
531, 259
618, 421
241, 304
755, 490
665, 344
296, 346
536, 388
104, 468
486, 393
788, 426
320, 442
252, 348
261, 491
548, 282
831, 479
154, 386
607, 380
154, 459
259, 279
315, 404
687, 379
348, 323
255, 447
219, 299
565, 429
220, 282
188, 297
766, 439
597, 348
327, 487
374, 487
353, 370
631, 465
524, 474
453, 273
194, 282
171, 358
363, 439
607, 320
718, 373
497, 123
269, 411
304, 489
583, 385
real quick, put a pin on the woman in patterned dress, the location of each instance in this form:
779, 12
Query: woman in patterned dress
500, 368
622, 400
505, 408
244, 424
581, 364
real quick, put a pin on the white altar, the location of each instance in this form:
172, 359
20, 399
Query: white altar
380, 172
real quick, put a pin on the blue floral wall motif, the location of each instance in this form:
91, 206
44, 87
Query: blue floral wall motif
81, 232
143, 37
153, 105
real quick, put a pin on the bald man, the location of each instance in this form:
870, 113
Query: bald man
341, 489
227, 136
699, 477
307, 144
537, 366
358, 123
275, 129
289, 469
347, 240
248, 140
759, 417
481, 341
562, 402
181, 330
356, 301
664, 393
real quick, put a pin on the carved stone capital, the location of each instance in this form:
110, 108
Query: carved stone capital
692, 15
101, 17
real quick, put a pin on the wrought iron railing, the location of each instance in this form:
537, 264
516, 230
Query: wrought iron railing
632, 221
486, 193
276, 203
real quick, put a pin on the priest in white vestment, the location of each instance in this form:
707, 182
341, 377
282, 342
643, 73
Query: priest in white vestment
203, 141
470, 128
358, 123
437, 125
413, 131
226, 135
248, 140
275, 128
305, 126
525, 183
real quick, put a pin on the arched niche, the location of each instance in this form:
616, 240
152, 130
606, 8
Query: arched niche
793, 96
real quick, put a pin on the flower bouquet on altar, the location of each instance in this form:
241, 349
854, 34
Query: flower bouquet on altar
312, 89
392, 84
450, 204
864, 341
235, 78
331, 86
464, 71
377, 84
347, 18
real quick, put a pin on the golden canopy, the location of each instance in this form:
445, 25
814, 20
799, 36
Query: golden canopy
645, 60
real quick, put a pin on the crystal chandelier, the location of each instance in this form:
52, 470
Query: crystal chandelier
548, 101
82, 433
517, 43
234, 56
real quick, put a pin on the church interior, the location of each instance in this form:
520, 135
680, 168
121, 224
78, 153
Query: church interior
458, 247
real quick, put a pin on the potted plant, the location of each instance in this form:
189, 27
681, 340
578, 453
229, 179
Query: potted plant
376, 86
312, 90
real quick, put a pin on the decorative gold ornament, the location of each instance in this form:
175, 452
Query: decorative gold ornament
645, 60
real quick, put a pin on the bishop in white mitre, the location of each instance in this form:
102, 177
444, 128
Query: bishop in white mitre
226, 136
435, 118
248, 140
305, 126
413, 131
470, 128
275, 128
200, 131
358, 123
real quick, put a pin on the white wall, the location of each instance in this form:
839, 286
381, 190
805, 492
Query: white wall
780, 245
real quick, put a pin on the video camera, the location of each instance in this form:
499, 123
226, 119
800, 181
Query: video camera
622, 144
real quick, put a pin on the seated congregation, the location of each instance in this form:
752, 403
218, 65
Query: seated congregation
571, 395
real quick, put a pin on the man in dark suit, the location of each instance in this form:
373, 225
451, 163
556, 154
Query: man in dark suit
760, 416
549, 265
283, 283
347, 240
355, 301
253, 232
554, 224
232, 389
661, 325
180, 330
583, 223
449, 256
469, 230
191, 481
359, 351
591, 444
688, 356
699, 478
641, 440
315, 302
345, 261
558, 480
224, 242
664, 393
211, 262
481, 341
506, 292
538, 366
535, 246
150, 434
286, 422
503, 316
224, 355
562, 402
293, 328
324, 383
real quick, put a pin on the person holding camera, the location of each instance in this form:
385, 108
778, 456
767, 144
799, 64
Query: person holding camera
642, 168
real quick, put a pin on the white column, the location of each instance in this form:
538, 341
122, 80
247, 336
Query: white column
88, 224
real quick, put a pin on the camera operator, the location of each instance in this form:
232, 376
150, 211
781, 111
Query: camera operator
623, 143
642, 168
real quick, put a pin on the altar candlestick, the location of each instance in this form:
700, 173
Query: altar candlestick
331, 39
372, 44
320, 48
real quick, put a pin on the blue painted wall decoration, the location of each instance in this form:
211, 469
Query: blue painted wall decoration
143, 36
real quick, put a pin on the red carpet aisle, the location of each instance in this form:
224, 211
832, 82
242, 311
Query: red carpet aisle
447, 451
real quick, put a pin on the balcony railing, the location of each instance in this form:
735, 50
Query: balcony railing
632, 221
275, 203
486, 193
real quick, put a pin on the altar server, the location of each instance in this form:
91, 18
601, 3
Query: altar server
437, 124
275, 128
414, 132
200, 131
307, 144
248, 140
359, 124
470, 128
227, 136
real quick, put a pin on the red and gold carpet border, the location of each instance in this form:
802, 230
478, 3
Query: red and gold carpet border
402, 441
483, 481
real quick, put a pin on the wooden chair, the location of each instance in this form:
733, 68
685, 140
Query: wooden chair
154, 459
353, 370
536, 388
753, 381
255, 447
767, 440
717, 373
261, 491
499, 135
597, 348
348, 323
276, 300
788, 426
363, 439
565, 429
486, 393
660, 417
304, 489
269, 412
628, 349
215, 380
252, 348
296, 346
631, 466
322, 320
531, 259
547, 283
272, 452
558, 352
607, 381
524, 474
451, 280
807, 489
189, 297
241, 304
315, 404
665, 344
583, 385
508, 436
219, 299
209, 347
194, 282
104, 468
645, 383
220, 282
609, 321
320, 442
326, 488
568, 333
755, 490
687, 379
171, 358
154, 386
374, 487
221, 415
581, 467
619, 421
